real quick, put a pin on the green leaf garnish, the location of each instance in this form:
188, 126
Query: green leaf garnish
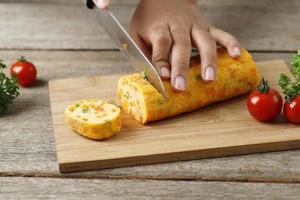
198, 77
291, 85
9, 89
77, 105
85, 110
127, 95
144, 74
295, 63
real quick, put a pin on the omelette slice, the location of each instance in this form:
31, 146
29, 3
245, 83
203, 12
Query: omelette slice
143, 102
94, 118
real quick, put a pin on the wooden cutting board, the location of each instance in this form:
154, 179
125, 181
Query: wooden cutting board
221, 129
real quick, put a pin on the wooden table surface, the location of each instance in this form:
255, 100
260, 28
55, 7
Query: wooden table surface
64, 40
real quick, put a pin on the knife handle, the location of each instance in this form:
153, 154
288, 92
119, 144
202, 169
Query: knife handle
90, 4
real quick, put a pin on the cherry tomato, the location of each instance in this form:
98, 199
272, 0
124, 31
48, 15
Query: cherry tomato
291, 110
265, 103
25, 72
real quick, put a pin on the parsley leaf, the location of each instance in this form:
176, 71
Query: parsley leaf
9, 89
291, 85
77, 104
295, 63
127, 95
85, 110
144, 74
198, 77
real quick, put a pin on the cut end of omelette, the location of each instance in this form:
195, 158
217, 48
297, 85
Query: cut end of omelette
132, 92
94, 118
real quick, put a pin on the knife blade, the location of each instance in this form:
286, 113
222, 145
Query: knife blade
128, 47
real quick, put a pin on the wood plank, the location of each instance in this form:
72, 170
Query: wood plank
60, 26
71, 26
27, 143
53, 188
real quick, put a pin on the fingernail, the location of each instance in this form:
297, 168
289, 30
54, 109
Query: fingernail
236, 52
209, 73
102, 3
165, 72
180, 83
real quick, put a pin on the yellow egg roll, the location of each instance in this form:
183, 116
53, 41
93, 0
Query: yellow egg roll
142, 101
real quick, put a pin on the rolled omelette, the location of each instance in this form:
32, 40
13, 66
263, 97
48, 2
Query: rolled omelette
234, 77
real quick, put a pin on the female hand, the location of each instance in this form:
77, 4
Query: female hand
167, 30
102, 3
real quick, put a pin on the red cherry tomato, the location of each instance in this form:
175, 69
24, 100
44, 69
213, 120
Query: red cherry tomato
291, 110
25, 72
265, 103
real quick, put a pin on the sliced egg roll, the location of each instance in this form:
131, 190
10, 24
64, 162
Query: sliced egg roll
142, 101
94, 118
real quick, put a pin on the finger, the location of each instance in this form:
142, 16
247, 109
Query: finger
180, 57
207, 48
161, 46
228, 41
102, 3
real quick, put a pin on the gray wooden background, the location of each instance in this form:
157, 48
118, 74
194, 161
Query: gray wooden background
62, 38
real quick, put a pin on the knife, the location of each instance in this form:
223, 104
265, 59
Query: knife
127, 46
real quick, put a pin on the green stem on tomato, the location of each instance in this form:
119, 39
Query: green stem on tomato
263, 86
22, 59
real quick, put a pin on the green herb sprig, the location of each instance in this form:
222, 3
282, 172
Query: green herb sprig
85, 110
291, 85
144, 74
9, 89
198, 77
